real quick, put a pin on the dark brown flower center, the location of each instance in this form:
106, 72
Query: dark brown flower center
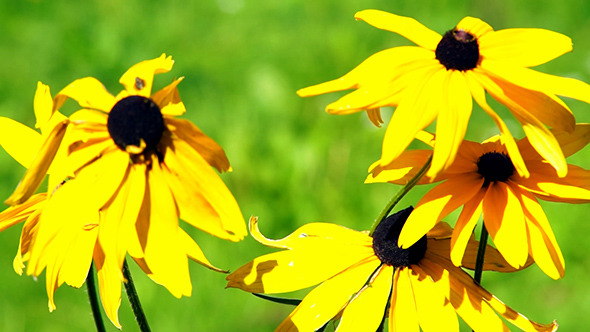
458, 49
385, 242
495, 166
133, 119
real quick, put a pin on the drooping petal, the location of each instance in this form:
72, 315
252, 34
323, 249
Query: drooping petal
109, 285
138, 79
366, 310
38, 166
16, 214
401, 170
194, 252
524, 47
314, 311
168, 99
374, 116
42, 105
23, 149
464, 227
404, 26
573, 142
544, 183
478, 93
403, 316
436, 204
88, 92
203, 144
451, 123
504, 219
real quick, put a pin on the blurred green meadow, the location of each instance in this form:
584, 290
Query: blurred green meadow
293, 163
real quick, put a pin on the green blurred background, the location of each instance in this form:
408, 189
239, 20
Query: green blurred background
293, 163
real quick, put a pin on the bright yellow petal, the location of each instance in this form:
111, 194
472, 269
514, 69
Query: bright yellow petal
38, 166
435, 312
168, 99
139, 78
478, 93
326, 300
16, 214
544, 183
27, 237
203, 144
451, 123
194, 252
438, 203
464, 227
419, 107
403, 316
404, 26
524, 47
109, 285
88, 92
42, 105
474, 26
284, 271
367, 308
504, 219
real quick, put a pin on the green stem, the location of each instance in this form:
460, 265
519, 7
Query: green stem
91, 285
399, 195
134, 300
483, 241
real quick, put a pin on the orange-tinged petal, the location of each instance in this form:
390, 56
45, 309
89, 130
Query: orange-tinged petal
436, 204
474, 26
404, 26
365, 311
544, 183
88, 92
534, 80
403, 316
38, 166
418, 109
164, 253
374, 116
435, 312
138, 79
168, 99
18, 213
465, 225
524, 47
504, 219
400, 170
289, 270
478, 93
572, 142
314, 311
203, 144
451, 123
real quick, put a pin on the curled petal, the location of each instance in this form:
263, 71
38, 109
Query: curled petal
88, 92
139, 78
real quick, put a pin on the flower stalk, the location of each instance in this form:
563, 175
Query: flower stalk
92, 296
481, 250
134, 300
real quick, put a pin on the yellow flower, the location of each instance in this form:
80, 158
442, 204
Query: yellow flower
482, 180
439, 78
130, 170
363, 279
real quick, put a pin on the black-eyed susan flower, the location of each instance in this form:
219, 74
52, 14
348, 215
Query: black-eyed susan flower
129, 172
483, 180
364, 279
439, 78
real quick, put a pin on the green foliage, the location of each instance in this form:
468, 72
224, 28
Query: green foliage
293, 163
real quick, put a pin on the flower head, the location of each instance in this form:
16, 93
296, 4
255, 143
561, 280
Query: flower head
483, 180
364, 279
439, 78
129, 171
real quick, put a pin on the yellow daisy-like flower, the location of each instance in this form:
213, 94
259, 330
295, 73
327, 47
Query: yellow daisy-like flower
130, 171
439, 78
483, 180
364, 279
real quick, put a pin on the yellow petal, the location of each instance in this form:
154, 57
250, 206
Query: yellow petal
504, 219
436, 204
366, 309
464, 227
88, 92
38, 166
139, 78
326, 300
109, 285
311, 263
544, 183
203, 144
194, 252
417, 110
493, 260
435, 312
42, 105
478, 93
403, 316
23, 149
451, 123
16, 214
27, 237
474, 26
168, 99
404, 26
524, 47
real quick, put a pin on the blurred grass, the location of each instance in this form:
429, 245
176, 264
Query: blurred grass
293, 163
